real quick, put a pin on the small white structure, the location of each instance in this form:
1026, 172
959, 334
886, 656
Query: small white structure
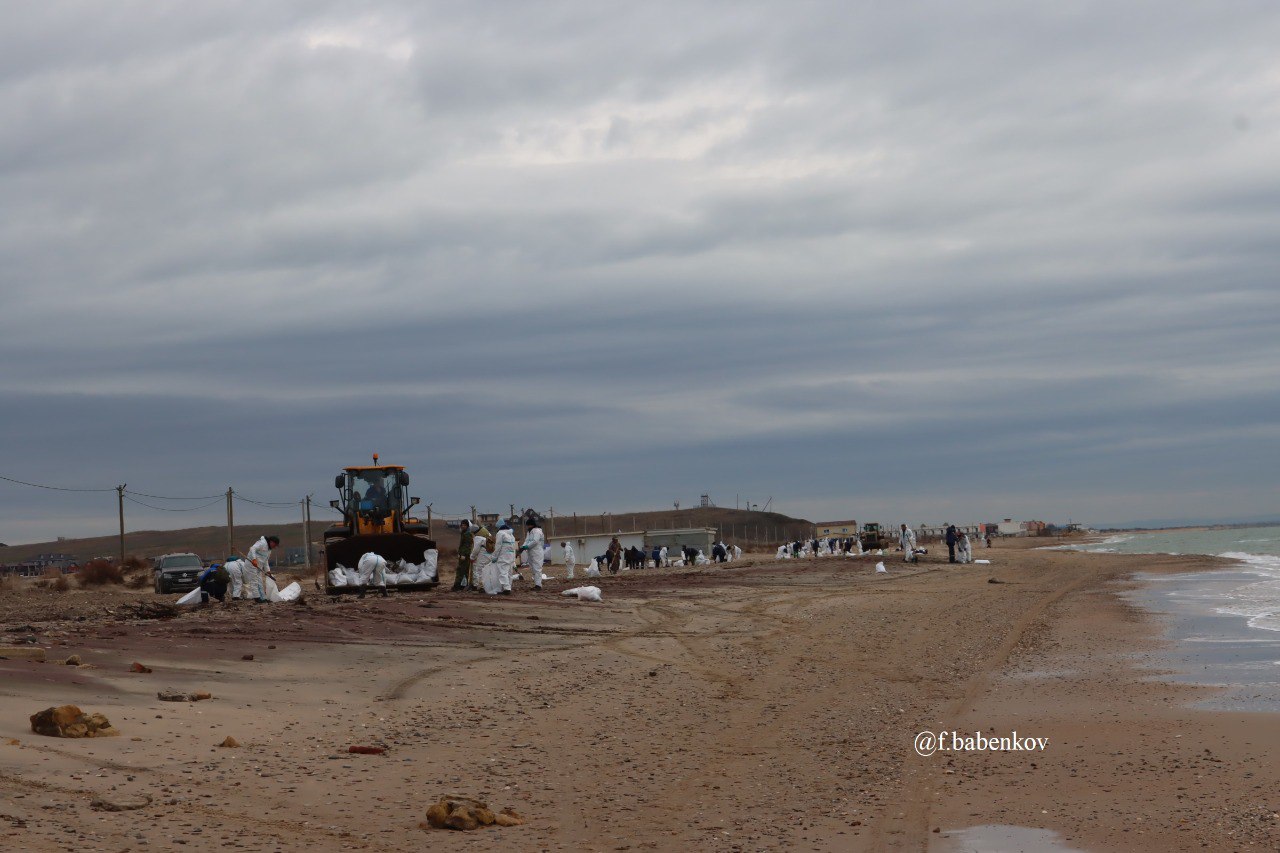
589, 546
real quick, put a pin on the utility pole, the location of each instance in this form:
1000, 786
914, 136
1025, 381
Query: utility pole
120, 506
473, 513
428, 521
551, 521
306, 530
231, 525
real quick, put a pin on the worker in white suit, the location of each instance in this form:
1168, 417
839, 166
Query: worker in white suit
504, 555
258, 564
907, 538
235, 568
533, 546
481, 555
570, 559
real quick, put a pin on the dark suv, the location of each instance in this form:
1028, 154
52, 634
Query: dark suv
177, 573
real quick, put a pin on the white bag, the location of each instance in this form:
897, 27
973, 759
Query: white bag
490, 579
430, 558
880, 569
291, 592
593, 570
353, 577
338, 576
982, 562
270, 588
192, 597
585, 593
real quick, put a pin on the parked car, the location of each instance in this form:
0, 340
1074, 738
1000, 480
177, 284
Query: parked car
177, 572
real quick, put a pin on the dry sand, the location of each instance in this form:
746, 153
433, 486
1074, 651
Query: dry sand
763, 706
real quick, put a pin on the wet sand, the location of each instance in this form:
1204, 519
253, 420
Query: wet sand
763, 706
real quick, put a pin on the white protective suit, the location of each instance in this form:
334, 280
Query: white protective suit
907, 538
235, 568
504, 556
534, 541
480, 559
374, 568
570, 560
257, 564
964, 549
662, 556
737, 553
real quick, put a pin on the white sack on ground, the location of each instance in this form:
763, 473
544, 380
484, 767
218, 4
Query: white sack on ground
982, 562
192, 597
353, 577
430, 559
270, 589
585, 593
593, 570
880, 569
291, 592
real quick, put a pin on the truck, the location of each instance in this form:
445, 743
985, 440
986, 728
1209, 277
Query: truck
375, 504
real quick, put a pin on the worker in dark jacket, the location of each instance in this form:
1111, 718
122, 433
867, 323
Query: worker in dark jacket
951, 543
213, 582
615, 555
466, 542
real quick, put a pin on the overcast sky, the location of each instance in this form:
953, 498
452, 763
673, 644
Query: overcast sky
918, 262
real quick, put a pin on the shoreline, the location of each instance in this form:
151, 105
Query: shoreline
763, 706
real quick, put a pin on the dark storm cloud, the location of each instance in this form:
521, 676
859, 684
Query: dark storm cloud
986, 260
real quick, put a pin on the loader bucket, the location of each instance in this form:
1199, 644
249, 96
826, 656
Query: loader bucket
390, 546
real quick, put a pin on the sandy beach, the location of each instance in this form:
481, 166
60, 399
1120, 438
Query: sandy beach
762, 706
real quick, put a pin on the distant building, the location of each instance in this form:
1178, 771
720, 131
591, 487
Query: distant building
827, 529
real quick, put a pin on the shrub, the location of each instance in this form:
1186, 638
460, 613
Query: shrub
98, 573
60, 583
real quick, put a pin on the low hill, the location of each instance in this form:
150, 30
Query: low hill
747, 528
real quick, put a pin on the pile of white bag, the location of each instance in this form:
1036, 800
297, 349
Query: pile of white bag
593, 570
393, 574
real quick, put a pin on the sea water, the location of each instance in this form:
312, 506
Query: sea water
1256, 549
1226, 624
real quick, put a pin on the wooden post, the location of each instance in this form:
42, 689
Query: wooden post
120, 507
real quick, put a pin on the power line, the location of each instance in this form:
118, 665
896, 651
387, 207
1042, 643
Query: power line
241, 497
52, 488
128, 497
168, 498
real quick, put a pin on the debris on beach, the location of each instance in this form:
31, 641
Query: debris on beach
465, 813
74, 660
102, 805
366, 750
70, 721
229, 743
137, 667
178, 696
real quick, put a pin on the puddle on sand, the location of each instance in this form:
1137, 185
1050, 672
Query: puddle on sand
998, 838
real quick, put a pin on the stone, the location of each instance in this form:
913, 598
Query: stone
70, 721
229, 743
465, 813
174, 696
246, 657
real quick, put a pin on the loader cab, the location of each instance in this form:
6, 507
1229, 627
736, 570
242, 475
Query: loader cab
373, 499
